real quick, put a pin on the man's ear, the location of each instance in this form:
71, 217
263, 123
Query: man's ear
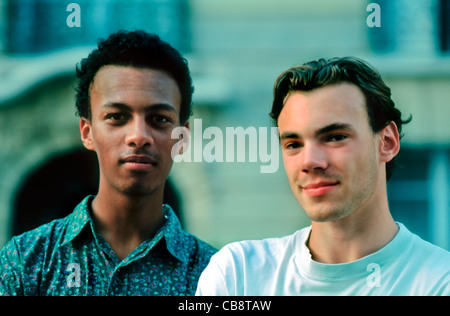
86, 133
185, 138
187, 125
389, 142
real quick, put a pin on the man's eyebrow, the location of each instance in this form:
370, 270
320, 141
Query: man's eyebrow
333, 127
321, 131
287, 135
117, 105
152, 107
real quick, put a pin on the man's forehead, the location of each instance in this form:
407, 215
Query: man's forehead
117, 87
343, 92
117, 75
334, 105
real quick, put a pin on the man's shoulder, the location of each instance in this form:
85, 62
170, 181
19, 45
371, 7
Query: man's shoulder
39, 235
428, 253
249, 266
272, 249
198, 247
427, 265
22, 258
435, 258
181, 241
43, 237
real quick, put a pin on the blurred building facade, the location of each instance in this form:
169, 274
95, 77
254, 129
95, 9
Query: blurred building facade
236, 49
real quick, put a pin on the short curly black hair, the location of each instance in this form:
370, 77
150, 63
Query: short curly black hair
137, 49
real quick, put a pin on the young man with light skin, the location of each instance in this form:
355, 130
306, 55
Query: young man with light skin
339, 133
133, 91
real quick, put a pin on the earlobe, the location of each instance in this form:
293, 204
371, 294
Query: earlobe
185, 138
390, 142
85, 131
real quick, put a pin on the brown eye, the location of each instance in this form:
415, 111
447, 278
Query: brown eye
293, 145
336, 138
159, 119
116, 117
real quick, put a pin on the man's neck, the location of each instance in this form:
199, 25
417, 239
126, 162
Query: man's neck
127, 221
350, 238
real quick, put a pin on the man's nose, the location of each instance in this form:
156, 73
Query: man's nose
139, 134
313, 158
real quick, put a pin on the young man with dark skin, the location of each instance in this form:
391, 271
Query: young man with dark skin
134, 89
339, 133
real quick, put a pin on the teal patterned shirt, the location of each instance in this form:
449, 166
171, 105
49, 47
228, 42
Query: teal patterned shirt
67, 257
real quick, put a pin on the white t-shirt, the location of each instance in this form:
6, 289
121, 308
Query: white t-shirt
407, 265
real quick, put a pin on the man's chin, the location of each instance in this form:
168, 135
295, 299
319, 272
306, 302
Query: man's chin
139, 190
325, 214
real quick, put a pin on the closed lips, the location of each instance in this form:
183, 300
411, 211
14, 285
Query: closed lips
318, 185
319, 189
139, 159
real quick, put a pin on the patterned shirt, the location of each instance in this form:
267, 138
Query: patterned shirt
67, 257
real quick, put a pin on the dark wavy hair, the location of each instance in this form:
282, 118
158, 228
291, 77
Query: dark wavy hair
315, 74
136, 49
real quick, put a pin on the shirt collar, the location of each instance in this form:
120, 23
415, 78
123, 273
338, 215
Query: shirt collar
177, 241
77, 220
